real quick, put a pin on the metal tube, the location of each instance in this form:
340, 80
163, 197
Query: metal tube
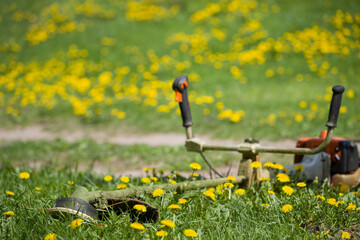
256, 148
189, 133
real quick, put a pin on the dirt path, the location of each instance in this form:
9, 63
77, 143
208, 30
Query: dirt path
38, 132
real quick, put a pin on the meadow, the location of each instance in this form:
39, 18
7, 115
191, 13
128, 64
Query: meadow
257, 68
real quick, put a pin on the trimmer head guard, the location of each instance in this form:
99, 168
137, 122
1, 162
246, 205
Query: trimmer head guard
64, 206
68, 206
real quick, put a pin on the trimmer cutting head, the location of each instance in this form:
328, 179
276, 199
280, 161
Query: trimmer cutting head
73, 206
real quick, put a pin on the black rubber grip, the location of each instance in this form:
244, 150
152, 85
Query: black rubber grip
180, 85
335, 105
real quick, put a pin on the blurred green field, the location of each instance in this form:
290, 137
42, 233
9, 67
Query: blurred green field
258, 68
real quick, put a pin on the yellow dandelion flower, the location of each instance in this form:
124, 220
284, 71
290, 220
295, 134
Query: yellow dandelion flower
194, 175
190, 233
9, 213
288, 190
270, 192
125, 179
341, 194
301, 184
332, 201
161, 233
350, 207
228, 185
182, 201
264, 179
158, 192
154, 179
355, 193
137, 226
299, 167
278, 166
344, 187
265, 204
255, 164
195, 166
146, 180
174, 207
38, 188
76, 223
320, 197
350, 93
230, 178
146, 169
286, 208
70, 182
168, 223
121, 186
240, 191
24, 175
172, 181
210, 194
140, 207
268, 165
283, 177
345, 235
108, 178
50, 236
10, 193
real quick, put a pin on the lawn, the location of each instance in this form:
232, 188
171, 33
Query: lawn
257, 68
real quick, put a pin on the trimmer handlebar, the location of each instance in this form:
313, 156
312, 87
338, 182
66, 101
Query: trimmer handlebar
180, 87
335, 105
196, 145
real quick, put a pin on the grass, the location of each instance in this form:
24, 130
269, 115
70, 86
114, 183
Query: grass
238, 217
268, 92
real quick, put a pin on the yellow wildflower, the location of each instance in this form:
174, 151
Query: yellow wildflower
299, 167
194, 175
10, 193
38, 188
320, 197
278, 166
140, 207
125, 179
351, 207
195, 166
9, 213
240, 191
50, 236
288, 190
108, 178
228, 185
161, 233
190, 233
255, 164
268, 165
345, 235
76, 223
146, 180
146, 169
264, 179
270, 192
283, 177
182, 201
70, 182
286, 208
301, 184
154, 179
168, 223
137, 226
24, 175
121, 186
332, 201
172, 181
158, 192
174, 207
230, 178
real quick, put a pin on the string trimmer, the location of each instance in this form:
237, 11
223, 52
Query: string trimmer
251, 148
96, 204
